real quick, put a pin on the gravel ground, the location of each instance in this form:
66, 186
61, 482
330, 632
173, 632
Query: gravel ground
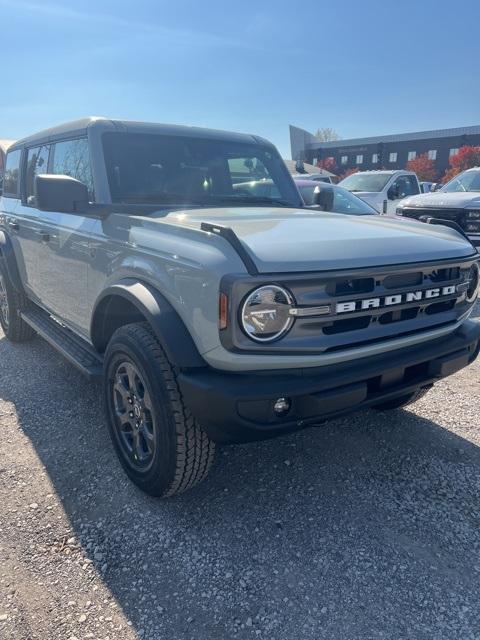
364, 528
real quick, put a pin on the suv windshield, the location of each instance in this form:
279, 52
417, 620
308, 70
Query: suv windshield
467, 181
372, 182
342, 202
173, 169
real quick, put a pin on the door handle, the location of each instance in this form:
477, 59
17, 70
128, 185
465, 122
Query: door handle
13, 224
44, 235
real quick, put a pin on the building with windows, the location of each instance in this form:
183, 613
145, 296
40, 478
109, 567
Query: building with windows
384, 152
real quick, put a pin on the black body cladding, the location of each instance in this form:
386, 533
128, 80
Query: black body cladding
244, 402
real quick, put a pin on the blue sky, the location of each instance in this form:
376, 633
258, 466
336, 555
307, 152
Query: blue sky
362, 67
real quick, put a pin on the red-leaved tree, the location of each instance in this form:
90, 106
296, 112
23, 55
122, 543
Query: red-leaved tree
466, 158
328, 164
348, 172
423, 167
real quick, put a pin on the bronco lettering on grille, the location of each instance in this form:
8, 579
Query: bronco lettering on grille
399, 298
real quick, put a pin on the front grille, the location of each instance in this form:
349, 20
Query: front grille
340, 330
400, 306
398, 317
457, 215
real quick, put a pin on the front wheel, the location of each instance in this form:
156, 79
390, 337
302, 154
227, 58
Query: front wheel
160, 445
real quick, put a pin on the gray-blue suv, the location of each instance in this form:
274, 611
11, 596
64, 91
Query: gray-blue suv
211, 311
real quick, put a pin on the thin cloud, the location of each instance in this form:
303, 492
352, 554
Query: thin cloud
174, 35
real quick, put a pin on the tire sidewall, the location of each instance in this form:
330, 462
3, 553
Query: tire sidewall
6, 281
162, 469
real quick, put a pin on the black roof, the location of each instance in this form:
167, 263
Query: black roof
79, 127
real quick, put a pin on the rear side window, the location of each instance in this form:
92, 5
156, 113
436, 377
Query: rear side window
71, 158
11, 179
37, 163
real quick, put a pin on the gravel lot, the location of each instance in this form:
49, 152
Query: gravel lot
367, 527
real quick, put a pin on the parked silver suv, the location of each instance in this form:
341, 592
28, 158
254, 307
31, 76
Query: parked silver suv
210, 312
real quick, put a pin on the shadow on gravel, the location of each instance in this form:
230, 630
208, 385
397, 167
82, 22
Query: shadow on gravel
350, 530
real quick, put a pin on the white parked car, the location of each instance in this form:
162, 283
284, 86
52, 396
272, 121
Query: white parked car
457, 201
382, 190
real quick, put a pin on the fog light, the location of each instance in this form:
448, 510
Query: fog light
282, 406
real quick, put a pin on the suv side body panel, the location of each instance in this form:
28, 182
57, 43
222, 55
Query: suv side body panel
183, 268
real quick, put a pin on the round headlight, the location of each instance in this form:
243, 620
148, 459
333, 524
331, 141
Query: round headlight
265, 314
473, 282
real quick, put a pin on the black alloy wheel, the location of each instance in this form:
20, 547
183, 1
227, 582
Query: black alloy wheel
134, 416
160, 445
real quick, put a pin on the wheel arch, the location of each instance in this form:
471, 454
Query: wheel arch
130, 301
8, 257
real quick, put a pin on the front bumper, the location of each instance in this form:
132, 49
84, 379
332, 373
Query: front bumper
239, 407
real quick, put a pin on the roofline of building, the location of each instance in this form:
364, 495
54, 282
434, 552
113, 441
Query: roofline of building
399, 137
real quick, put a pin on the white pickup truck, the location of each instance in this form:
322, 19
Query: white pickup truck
382, 190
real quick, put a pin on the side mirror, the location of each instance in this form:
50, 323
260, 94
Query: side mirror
323, 197
437, 186
60, 193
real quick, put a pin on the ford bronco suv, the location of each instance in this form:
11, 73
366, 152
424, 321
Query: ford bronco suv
210, 313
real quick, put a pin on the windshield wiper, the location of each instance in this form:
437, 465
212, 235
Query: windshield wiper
252, 200
175, 199
178, 200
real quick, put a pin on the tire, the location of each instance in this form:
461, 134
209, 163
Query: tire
11, 303
160, 445
402, 401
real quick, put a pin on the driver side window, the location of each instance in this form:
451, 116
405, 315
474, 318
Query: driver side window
404, 186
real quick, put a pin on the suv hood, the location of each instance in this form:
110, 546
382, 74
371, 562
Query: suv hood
456, 199
294, 240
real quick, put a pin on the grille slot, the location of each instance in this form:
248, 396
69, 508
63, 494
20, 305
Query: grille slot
347, 287
347, 324
398, 280
397, 316
440, 307
441, 275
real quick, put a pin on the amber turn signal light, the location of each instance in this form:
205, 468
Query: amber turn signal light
222, 311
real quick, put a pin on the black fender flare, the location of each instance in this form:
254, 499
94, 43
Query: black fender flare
8, 258
159, 313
